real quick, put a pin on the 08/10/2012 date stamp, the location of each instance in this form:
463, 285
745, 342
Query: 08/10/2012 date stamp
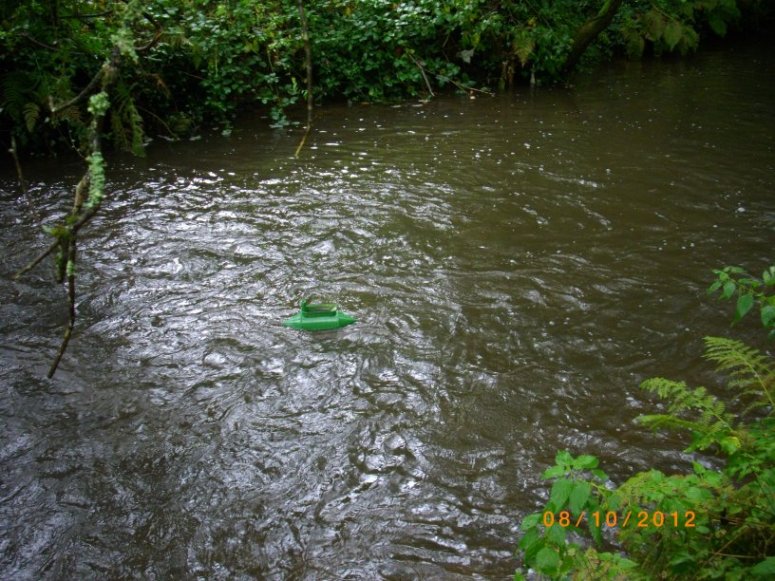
642, 519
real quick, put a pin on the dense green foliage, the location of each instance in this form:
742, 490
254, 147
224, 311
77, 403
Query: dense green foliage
717, 521
734, 281
199, 61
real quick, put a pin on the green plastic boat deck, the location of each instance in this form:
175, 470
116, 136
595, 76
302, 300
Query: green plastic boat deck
318, 317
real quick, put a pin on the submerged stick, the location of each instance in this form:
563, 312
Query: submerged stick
301, 143
15, 155
71, 253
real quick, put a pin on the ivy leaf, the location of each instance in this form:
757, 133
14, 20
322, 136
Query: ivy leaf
466, 55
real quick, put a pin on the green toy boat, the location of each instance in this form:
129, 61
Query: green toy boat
318, 317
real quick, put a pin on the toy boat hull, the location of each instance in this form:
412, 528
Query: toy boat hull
319, 323
318, 317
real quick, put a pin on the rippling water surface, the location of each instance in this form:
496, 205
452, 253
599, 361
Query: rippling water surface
518, 265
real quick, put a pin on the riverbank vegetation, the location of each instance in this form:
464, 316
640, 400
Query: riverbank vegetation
715, 522
202, 60
80, 73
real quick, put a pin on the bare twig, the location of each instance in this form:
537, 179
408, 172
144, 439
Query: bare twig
422, 72
80, 97
159, 120
108, 67
15, 155
80, 191
38, 42
464, 88
54, 245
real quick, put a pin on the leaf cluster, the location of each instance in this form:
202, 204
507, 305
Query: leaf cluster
734, 281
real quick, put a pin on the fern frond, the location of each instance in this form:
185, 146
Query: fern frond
117, 128
126, 119
682, 398
136, 125
659, 421
72, 115
704, 433
31, 113
17, 88
749, 369
710, 424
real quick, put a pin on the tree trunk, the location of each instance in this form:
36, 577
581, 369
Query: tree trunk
589, 32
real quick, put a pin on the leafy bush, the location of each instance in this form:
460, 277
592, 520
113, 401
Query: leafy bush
200, 61
713, 523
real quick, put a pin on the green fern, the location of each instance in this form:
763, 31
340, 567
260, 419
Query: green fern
31, 113
125, 119
749, 370
17, 92
117, 131
710, 424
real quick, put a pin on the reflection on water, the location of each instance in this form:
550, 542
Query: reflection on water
517, 266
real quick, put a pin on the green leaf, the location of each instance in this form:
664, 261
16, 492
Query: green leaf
765, 568
553, 472
561, 490
654, 25
547, 560
556, 535
530, 539
729, 289
563, 458
579, 496
600, 474
530, 521
768, 315
744, 304
730, 444
717, 24
585, 462
672, 34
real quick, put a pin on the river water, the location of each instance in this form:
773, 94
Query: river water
517, 264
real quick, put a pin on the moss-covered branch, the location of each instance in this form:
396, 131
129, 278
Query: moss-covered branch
589, 31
